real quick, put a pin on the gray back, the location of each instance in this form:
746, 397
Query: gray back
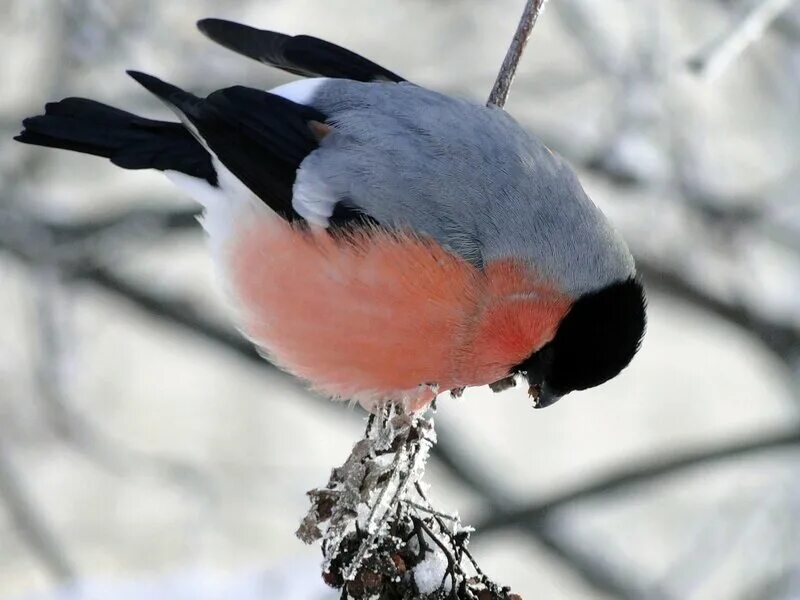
467, 175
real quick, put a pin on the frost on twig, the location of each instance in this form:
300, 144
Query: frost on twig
381, 537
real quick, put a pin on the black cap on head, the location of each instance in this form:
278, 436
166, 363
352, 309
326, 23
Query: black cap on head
595, 340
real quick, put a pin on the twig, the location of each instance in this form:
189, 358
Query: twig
505, 77
367, 515
451, 560
712, 60
428, 510
404, 473
439, 518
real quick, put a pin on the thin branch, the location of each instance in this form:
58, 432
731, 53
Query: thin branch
451, 560
428, 510
640, 472
715, 57
505, 77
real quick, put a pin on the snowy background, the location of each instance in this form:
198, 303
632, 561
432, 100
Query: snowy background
145, 453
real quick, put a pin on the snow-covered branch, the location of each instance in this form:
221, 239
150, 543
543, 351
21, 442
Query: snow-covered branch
381, 537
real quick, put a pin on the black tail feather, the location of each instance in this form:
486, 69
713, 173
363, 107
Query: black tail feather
302, 55
129, 141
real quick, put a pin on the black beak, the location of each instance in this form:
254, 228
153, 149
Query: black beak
542, 397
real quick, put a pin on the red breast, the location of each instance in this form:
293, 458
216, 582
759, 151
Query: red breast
377, 313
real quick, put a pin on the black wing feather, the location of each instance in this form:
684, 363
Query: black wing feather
260, 137
129, 141
302, 54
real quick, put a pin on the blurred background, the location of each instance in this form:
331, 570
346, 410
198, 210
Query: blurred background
145, 452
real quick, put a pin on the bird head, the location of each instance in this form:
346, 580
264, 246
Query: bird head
594, 341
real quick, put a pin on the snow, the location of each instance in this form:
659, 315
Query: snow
430, 572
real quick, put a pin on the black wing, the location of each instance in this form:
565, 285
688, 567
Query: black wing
302, 54
260, 137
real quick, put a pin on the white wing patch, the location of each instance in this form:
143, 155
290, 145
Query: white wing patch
217, 219
226, 205
311, 198
301, 91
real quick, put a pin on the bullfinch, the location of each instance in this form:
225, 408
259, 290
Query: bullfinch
380, 240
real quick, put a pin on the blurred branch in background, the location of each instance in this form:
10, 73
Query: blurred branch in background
714, 58
642, 471
29, 523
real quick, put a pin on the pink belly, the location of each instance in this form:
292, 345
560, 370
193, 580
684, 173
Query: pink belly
379, 314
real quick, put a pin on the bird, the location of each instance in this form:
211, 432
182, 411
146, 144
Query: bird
377, 239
